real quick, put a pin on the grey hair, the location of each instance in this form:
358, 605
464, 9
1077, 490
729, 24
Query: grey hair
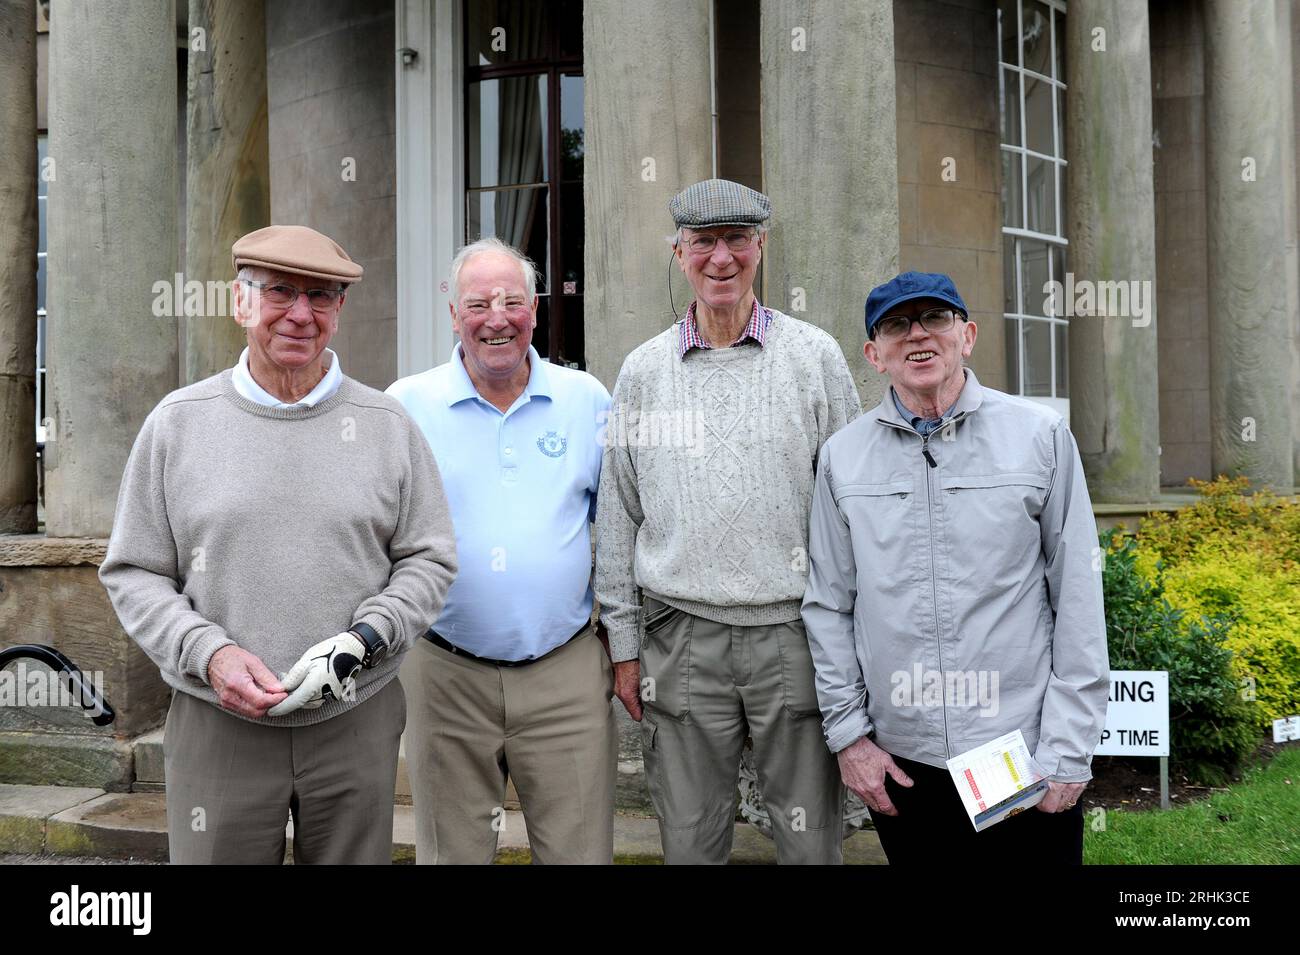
676, 240
493, 244
245, 274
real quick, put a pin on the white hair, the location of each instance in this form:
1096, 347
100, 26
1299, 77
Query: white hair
676, 240
493, 244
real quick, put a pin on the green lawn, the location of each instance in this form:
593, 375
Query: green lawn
1257, 821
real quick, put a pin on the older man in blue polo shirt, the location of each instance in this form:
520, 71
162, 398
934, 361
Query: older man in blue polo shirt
511, 680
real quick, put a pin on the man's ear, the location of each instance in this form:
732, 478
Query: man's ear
969, 332
455, 320
240, 304
872, 354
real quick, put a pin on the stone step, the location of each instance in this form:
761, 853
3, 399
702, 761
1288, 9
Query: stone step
66, 821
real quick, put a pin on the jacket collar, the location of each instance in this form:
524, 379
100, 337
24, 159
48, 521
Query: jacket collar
971, 397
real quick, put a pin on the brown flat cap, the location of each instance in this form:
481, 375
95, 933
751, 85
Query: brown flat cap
297, 249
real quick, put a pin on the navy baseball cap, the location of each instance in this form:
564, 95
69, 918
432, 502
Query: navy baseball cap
910, 285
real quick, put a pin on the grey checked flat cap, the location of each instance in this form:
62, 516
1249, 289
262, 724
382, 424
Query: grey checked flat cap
719, 202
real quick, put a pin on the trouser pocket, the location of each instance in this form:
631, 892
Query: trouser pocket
666, 658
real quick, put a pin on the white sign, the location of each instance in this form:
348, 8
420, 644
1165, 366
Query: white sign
1137, 715
1286, 728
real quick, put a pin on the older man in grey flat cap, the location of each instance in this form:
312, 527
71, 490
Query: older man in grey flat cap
701, 542
281, 539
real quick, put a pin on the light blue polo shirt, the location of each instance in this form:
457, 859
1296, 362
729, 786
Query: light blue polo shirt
522, 491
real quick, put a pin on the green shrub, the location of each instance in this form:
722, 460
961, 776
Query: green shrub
1237, 557
1211, 727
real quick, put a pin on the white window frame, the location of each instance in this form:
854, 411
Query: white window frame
1018, 232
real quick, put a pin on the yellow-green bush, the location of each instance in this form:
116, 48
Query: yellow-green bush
1238, 557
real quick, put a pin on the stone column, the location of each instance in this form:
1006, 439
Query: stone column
1114, 388
648, 136
1288, 27
1250, 361
17, 267
830, 164
228, 179
112, 221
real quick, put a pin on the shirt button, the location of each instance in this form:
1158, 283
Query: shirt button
510, 450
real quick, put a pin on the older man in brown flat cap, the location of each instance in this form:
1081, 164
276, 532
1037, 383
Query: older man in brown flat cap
281, 539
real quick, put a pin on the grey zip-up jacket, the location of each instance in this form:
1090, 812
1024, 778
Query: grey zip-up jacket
954, 587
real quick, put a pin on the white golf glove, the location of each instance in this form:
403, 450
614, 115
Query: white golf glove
325, 672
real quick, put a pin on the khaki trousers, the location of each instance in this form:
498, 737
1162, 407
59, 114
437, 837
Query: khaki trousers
232, 784
548, 726
706, 686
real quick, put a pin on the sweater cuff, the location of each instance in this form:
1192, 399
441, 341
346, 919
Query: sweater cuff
201, 652
381, 625
623, 645
1060, 769
851, 728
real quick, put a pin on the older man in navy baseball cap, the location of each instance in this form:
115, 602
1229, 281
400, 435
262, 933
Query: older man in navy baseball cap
951, 541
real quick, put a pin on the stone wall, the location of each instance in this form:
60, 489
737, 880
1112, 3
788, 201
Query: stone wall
945, 63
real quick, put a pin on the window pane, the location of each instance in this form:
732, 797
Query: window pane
568, 22
1060, 46
42, 150
1057, 253
1007, 18
1063, 171
1013, 355
1012, 214
1038, 37
517, 217
1041, 197
504, 31
1009, 274
1062, 363
42, 205
1038, 116
1060, 122
572, 345
1033, 276
506, 120
1009, 96
40, 282
571, 240
572, 127
1036, 340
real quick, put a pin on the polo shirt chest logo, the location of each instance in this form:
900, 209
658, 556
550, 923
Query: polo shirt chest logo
553, 444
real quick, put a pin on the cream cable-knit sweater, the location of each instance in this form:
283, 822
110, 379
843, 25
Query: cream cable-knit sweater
706, 483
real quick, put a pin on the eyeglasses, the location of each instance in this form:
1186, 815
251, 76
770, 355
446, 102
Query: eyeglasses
893, 327
283, 296
737, 241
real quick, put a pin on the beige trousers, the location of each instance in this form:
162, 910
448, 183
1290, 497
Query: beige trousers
548, 726
232, 784
706, 686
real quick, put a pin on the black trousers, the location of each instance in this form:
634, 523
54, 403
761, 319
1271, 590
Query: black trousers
932, 825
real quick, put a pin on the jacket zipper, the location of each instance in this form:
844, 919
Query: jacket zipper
934, 590
934, 581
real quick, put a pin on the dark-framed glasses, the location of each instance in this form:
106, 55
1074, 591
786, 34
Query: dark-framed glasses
283, 296
932, 320
737, 241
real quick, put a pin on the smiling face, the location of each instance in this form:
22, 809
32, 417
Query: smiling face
288, 338
721, 278
921, 363
494, 318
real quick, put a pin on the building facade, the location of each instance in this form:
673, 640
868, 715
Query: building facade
1111, 183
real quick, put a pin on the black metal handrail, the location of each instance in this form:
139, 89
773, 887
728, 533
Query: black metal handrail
83, 692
